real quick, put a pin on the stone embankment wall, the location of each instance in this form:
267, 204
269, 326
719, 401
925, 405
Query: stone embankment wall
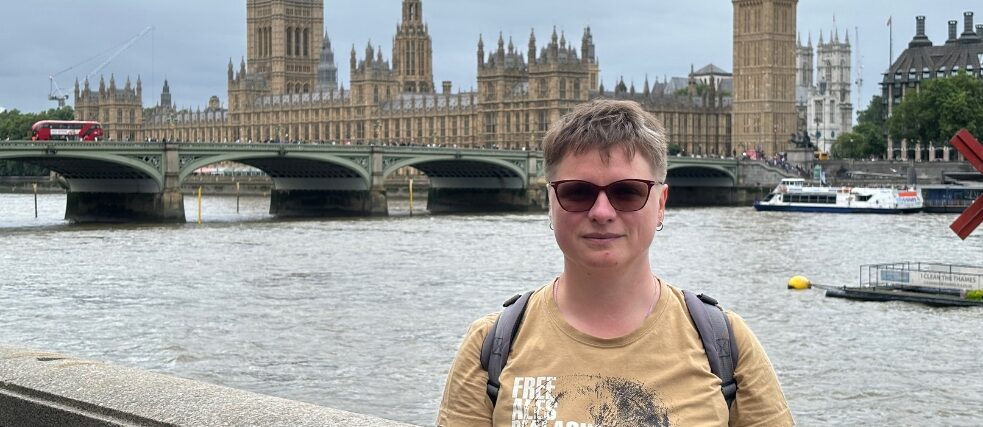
756, 174
857, 172
39, 388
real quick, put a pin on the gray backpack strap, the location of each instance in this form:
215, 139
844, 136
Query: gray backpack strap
718, 340
498, 342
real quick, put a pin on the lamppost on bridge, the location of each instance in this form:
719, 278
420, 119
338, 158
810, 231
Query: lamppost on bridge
377, 126
170, 121
820, 135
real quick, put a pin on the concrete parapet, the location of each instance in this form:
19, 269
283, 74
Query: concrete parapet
40, 388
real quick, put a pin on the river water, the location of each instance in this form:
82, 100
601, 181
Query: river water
365, 314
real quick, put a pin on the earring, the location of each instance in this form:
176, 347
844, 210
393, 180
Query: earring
551, 223
660, 227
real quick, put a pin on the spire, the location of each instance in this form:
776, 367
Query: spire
847, 39
481, 50
230, 72
563, 39
810, 39
587, 46
127, 86
501, 42
112, 81
820, 37
553, 37
646, 91
511, 46
139, 85
379, 55
242, 67
532, 45
353, 60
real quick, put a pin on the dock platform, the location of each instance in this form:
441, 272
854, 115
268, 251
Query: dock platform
926, 283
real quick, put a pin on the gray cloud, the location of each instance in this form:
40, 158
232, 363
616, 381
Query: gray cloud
194, 40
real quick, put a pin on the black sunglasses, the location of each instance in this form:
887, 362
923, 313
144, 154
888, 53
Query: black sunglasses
627, 195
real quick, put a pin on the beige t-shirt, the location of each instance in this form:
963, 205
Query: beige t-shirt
657, 375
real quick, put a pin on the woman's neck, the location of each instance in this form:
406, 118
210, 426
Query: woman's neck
606, 304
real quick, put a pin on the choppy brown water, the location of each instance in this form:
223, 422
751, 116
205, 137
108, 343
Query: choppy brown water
365, 314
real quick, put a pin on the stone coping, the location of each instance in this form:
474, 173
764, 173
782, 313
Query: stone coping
44, 388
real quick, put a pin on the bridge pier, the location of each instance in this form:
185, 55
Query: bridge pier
467, 200
125, 207
714, 196
328, 203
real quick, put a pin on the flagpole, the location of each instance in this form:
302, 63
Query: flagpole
890, 57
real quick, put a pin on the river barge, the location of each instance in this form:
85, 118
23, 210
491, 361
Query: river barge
927, 283
949, 198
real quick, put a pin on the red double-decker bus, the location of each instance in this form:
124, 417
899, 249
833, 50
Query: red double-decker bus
68, 130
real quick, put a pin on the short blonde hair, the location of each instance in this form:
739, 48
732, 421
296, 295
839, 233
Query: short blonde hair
603, 125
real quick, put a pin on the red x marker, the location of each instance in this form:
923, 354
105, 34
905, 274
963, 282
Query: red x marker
973, 215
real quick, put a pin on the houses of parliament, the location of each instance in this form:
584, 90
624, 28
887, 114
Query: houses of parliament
286, 89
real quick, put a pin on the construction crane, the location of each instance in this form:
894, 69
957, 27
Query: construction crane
860, 70
54, 91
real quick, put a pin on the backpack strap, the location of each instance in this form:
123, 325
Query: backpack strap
498, 342
718, 340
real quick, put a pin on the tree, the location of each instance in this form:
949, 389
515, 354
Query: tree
938, 109
864, 141
15, 125
867, 138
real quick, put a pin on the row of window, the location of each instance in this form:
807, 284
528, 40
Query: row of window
827, 199
913, 74
297, 42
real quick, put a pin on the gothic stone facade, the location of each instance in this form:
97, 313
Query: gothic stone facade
824, 106
277, 96
764, 74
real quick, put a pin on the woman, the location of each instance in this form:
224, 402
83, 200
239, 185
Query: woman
607, 342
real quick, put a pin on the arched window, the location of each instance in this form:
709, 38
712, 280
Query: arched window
297, 42
307, 45
290, 41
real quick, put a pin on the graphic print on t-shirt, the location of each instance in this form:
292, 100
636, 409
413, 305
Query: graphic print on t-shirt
587, 401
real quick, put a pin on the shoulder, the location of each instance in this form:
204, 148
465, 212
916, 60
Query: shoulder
480, 327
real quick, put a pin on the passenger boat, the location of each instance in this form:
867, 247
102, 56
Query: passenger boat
793, 194
927, 283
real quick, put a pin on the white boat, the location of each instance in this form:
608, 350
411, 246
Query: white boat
793, 194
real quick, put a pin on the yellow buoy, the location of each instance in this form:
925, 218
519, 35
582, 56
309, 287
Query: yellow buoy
799, 282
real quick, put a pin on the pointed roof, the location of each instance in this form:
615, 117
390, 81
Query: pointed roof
711, 69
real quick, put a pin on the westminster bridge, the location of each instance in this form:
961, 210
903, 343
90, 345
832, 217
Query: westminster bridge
137, 181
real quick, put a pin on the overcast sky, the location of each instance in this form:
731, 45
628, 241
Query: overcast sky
193, 40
